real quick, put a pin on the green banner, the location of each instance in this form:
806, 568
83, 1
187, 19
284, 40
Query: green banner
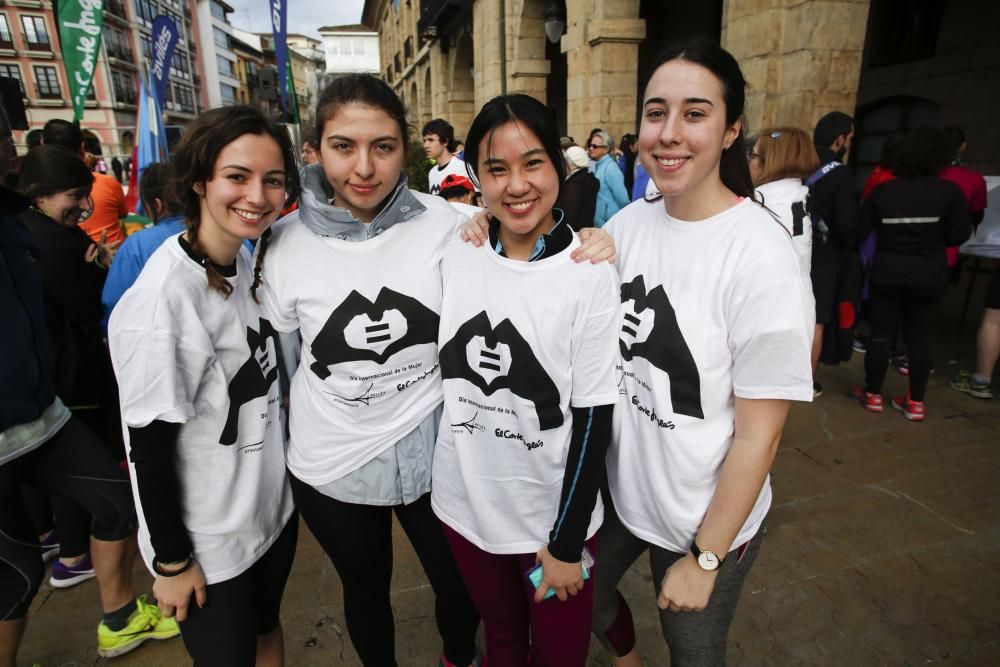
80, 36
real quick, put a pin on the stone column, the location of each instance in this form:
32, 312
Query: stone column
802, 58
486, 48
601, 46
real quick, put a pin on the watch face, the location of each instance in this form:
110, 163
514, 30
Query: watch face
708, 560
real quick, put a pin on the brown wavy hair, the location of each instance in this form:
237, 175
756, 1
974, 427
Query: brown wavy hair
193, 163
785, 152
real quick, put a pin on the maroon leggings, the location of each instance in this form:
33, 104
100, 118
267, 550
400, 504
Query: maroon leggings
519, 631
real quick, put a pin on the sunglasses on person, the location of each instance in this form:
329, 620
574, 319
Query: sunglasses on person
596, 146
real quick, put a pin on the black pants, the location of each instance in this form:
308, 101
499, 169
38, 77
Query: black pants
224, 632
914, 308
358, 540
72, 521
73, 464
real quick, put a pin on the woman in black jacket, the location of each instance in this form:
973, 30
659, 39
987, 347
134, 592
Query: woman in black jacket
57, 183
915, 217
578, 197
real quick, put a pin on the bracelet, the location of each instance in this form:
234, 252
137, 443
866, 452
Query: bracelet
173, 573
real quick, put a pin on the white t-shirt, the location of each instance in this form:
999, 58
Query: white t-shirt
183, 353
368, 314
712, 310
521, 343
787, 198
437, 173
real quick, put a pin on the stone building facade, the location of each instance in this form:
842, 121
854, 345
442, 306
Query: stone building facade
802, 58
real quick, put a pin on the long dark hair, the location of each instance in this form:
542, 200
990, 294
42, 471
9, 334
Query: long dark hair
734, 170
527, 111
361, 89
49, 169
194, 163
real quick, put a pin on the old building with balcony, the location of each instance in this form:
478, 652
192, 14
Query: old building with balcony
249, 61
29, 52
349, 49
216, 56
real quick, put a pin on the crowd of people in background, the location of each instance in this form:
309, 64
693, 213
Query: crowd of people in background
299, 333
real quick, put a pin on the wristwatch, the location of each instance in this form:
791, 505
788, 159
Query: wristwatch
707, 560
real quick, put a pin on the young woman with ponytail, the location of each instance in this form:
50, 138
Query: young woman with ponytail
197, 369
715, 341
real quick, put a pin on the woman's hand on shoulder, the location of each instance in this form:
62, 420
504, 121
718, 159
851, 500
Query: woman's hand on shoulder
476, 231
596, 245
173, 594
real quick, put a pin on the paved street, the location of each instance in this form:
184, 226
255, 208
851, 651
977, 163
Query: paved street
883, 548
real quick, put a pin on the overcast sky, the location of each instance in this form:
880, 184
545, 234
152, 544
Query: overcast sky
304, 16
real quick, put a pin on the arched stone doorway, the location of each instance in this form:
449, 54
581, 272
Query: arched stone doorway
128, 142
530, 67
461, 96
878, 121
413, 102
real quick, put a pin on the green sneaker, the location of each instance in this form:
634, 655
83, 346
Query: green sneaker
966, 383
146, 622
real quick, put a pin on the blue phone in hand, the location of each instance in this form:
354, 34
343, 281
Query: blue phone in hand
535, 574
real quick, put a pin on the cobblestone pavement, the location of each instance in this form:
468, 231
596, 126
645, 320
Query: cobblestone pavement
883, 548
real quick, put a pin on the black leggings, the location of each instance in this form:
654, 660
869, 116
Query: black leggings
224, 632
915, 308
358, 540
73, 464
71, 521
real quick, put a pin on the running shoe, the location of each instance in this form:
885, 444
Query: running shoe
146, 622
817, 389
912, 410
870, 402
65, 576
50, 546
966, 382
859, 346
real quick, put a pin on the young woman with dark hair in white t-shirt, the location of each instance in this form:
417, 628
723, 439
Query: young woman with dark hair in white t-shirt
528, 348
197, 370
715, 338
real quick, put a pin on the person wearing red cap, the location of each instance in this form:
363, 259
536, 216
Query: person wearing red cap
460, 192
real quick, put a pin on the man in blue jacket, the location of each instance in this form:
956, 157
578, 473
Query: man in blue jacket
612, 196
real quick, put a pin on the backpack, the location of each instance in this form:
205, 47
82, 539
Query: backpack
821, 231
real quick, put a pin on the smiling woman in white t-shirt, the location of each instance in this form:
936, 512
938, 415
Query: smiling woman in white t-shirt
197, 372
528, 348
715, 338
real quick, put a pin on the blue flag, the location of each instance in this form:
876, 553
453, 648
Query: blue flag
279, 22
163, 41
150, 139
